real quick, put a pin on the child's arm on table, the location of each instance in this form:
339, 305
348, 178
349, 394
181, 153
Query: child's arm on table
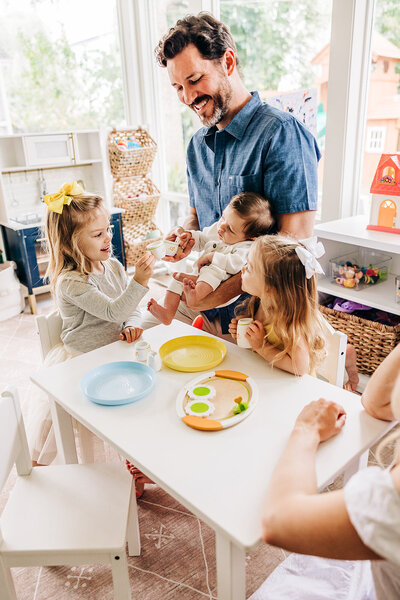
295, 516
377, 394
298, 363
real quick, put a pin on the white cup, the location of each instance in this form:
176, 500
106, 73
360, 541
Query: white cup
242, 326
154, 361
171, 248
142, 350
157, 249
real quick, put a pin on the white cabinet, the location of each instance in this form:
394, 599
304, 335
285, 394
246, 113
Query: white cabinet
32, 165
339, 237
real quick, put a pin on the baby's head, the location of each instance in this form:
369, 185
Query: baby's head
73, 237
247, 216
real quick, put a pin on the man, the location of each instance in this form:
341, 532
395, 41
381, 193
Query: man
245, 145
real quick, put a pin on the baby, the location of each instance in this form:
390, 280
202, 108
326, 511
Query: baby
224, 248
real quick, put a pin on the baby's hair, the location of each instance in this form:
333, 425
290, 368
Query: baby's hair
392, 440
256, 212
290, 300
62, 233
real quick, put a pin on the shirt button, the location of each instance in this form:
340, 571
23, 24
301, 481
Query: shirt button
217, 215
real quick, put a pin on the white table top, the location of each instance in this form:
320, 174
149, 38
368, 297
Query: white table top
221, 476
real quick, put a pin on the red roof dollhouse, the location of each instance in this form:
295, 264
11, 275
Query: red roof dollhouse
385, 190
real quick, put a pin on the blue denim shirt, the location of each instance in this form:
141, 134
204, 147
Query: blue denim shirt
263, 150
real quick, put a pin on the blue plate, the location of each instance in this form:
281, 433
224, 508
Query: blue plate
118, 383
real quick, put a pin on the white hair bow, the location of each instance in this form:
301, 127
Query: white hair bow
308, 256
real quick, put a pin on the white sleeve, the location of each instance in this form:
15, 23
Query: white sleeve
373, 504
231, 263
202, 237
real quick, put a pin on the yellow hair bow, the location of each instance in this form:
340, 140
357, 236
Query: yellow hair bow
55, 202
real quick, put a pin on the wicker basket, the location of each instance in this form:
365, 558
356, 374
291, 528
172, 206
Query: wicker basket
131, 163
139, 197
372, 341
136, 247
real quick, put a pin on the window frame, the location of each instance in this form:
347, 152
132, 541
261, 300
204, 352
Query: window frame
350, 57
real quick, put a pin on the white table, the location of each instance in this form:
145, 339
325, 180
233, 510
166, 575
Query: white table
222, 477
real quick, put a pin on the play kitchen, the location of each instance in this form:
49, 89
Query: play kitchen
32, 166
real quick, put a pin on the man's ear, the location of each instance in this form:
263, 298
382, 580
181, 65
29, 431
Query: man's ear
229, 61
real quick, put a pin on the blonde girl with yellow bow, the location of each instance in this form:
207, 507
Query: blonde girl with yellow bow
96, 302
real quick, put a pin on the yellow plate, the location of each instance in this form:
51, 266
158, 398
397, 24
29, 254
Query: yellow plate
192, 353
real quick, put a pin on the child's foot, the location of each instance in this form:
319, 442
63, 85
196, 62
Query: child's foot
139, 477
189, 288
159, 312
351, 369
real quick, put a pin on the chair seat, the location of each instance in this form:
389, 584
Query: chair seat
67, 508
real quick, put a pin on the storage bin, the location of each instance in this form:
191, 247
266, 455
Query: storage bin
12, 300
134, 162
359, 268
135, 247
372, 341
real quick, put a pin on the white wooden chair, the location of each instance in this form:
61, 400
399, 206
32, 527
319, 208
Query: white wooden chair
332, 368
59, 515
49, 329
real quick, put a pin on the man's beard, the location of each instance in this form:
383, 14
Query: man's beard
221, 101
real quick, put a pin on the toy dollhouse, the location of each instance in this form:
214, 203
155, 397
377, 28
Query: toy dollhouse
385, 190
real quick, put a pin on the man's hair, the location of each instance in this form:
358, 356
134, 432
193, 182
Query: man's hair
256, 212
210, 36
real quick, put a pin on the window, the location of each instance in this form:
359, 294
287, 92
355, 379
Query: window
284, 52
60, 65
375, 139
382, 127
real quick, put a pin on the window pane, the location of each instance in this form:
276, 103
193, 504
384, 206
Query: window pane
283, 47
61, 68
382, 133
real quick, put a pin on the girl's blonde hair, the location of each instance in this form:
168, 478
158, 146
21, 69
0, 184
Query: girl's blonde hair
290, 300
62, 234
394, 438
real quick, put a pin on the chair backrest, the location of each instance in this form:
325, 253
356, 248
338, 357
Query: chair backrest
332, 368
13, 443
49, 329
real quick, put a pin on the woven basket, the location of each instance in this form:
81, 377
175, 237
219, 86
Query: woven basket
131, 163
139, 197
136, 247
372, 341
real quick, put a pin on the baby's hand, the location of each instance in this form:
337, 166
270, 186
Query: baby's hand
255, 335
204, 260
144, 269
183, 238
233, 328
130, 334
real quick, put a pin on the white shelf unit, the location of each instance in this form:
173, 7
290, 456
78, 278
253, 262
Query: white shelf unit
34, 164
339, 237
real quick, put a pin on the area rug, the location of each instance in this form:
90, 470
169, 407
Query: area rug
177, 562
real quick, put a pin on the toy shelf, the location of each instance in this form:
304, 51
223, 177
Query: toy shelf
343, 234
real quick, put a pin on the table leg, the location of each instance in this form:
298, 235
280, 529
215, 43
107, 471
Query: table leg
358, 463
231, 569
64, 433
132, 530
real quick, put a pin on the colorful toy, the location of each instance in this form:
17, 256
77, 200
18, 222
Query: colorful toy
234, 397
364, 267
385, 190
397, 282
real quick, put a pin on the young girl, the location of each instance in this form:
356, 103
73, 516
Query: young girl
358, 523
287, 329
96, 303
224, 246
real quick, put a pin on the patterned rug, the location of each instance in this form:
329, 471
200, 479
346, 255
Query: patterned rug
177, 561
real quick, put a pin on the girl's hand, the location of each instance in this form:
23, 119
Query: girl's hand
233, 328
144, 269
255, 335
204, 260
322, 417
130, 334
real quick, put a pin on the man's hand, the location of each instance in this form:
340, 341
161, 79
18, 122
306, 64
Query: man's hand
185, 241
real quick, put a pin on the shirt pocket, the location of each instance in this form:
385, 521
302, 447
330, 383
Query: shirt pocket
245, 183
